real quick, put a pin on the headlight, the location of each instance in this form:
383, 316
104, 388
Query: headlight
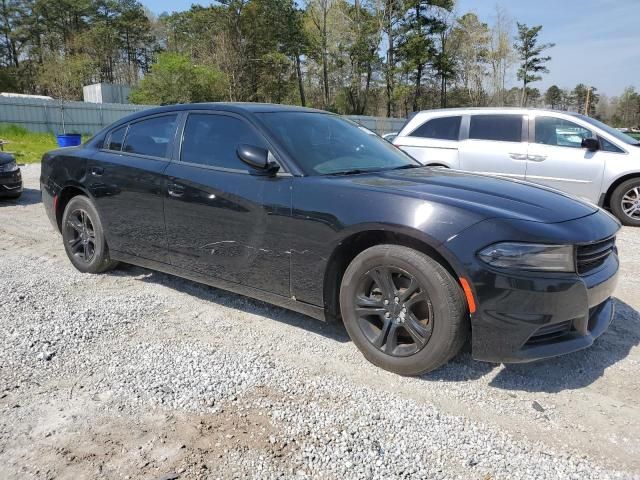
9, 167
529, 256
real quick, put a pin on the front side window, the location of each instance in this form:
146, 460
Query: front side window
115, 140
151, 137
444, 128
213, 140
559, 132
502, 128
325, 144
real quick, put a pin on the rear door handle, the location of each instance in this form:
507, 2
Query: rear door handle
537, 158
175, 190
518, 156
96, 171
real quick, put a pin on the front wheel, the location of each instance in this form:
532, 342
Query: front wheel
625, 202
403, 309
83, 237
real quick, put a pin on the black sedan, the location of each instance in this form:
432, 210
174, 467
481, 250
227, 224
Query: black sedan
10, 177
307, 210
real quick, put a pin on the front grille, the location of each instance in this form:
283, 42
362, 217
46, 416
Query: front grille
549, 332
591, 256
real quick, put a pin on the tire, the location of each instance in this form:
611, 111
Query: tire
627, 192
83, 237
437, 305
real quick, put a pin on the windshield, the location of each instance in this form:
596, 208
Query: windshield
623, 137
325, 144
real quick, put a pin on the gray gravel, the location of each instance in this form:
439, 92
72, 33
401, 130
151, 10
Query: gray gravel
135, 374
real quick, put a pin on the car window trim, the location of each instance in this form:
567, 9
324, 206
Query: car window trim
532, 131
107, 140
169, 149
177, 151
524, 131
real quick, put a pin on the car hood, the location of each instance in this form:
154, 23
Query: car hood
6, 158
487, 196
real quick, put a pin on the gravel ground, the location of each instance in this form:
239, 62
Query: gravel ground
136, 374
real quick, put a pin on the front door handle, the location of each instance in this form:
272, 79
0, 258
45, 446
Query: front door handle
175, 190
537, 158
518, 156
96, 171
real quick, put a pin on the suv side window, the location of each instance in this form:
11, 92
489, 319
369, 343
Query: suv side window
559, 132
443, 128
151, 136
212, 139
115, 139
502, 128
607, 146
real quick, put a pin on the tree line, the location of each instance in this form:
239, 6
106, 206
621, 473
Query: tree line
375, 57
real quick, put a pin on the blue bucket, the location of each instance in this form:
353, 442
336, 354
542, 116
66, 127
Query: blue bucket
69, 140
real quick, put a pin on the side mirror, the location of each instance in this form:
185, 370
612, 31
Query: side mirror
590, 144
257, 158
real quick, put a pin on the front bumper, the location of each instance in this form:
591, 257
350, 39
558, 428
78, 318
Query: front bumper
531, 318
525, 316
10, 182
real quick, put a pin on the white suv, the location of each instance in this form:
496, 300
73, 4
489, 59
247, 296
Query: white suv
567, 151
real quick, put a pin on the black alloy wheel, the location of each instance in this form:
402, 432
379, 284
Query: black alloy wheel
81, 235
403, 309
394, 311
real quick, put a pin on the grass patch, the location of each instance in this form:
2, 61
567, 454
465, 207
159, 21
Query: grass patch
28, 147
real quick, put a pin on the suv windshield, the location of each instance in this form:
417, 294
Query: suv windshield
623, 137
326, 144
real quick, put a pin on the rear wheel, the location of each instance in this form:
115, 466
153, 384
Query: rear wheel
83, 237
403, 310
625, 202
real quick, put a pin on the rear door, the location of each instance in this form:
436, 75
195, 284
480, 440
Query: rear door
556, 157
222, 219
435, 142
126, 178
495, 144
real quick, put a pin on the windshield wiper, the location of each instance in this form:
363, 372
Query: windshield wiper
354, 171
403, 167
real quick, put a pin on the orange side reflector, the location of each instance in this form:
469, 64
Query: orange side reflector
469, 294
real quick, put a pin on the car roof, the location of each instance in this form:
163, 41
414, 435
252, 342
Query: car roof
238, 107
464, 110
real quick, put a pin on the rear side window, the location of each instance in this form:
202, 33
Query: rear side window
115, 140
444, 128
213, 139
151, 137
503, 128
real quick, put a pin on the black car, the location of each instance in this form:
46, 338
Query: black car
10, 176
306, 210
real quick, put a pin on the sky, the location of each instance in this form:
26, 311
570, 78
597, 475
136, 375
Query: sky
597, 41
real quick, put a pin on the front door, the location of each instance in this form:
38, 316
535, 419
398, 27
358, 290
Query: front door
556, 158
222, 219
495, 145
126, 178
